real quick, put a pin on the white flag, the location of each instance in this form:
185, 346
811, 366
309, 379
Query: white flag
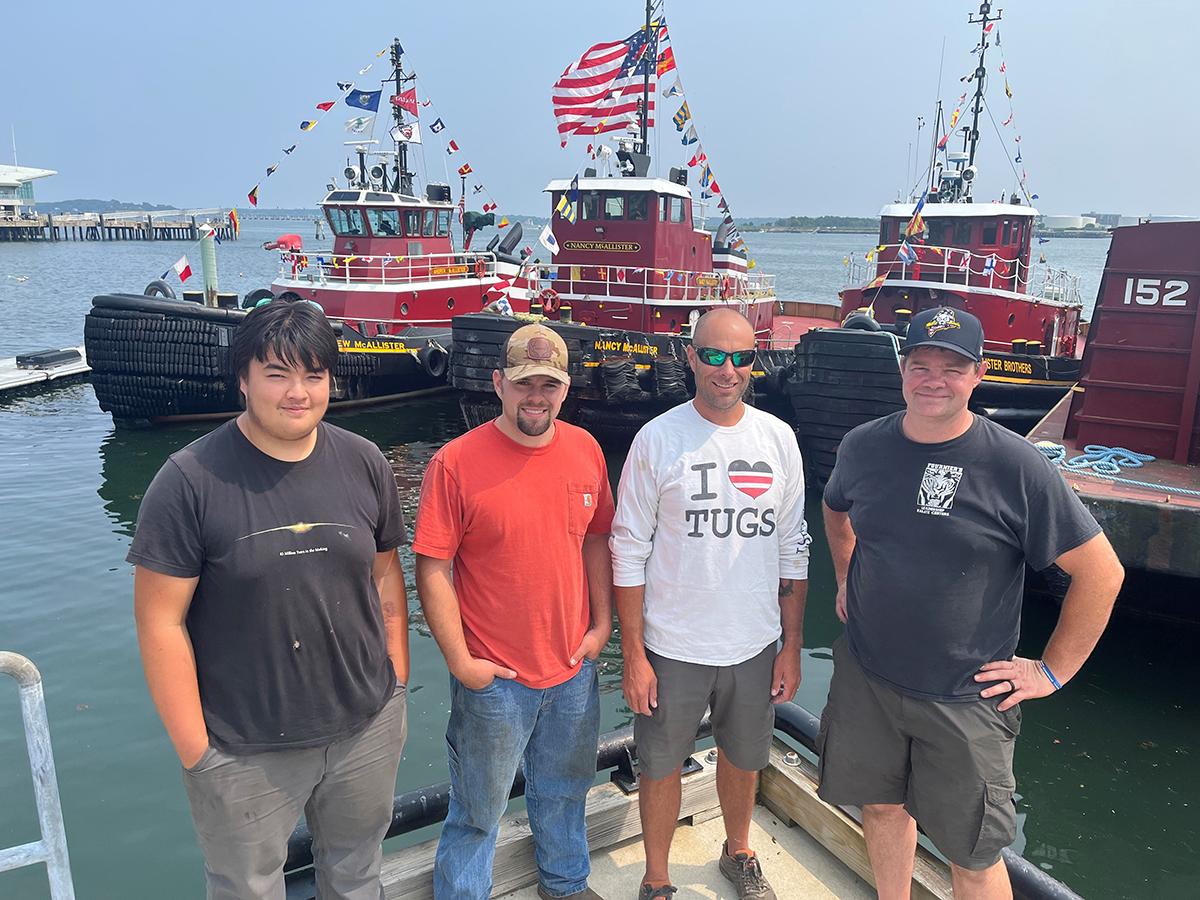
675, 90
548, 240
408, 133
359, 124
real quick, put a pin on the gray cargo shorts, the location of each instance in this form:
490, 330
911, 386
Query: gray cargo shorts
949, 764
743, 718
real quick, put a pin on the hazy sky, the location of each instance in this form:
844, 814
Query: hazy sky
802, 107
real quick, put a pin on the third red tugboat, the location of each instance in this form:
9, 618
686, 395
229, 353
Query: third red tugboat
944, 247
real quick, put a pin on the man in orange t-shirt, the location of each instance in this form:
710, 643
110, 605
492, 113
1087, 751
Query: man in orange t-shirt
515, 577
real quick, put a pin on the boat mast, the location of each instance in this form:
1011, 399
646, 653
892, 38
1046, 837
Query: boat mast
980, 74
402, 183
646, 76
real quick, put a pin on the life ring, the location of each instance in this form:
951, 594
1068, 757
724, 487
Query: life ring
159, 288
480, 268
549, 300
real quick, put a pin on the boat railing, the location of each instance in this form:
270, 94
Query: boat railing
956, 266
52, 848
628, 284
1061, 286
321, 267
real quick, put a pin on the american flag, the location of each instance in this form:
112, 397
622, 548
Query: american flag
600, 91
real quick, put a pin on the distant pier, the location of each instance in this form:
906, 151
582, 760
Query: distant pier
136, 225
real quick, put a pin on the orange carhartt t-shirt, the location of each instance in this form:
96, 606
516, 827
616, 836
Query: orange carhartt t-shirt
513, 519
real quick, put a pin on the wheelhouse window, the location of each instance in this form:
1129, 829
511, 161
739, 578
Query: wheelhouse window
941, 233
591, 205
429, 223
962, 234
637, 207
614, 206
412, 222
672, 209
1006, 233
346, 222
443, 222
384, 222
989, 235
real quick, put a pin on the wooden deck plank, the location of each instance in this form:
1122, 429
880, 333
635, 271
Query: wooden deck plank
791, 793
612, 817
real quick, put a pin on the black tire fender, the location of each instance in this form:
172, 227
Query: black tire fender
159, 288
861, 322
252, 298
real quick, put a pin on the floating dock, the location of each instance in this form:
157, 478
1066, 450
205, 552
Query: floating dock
133, 225
42, 366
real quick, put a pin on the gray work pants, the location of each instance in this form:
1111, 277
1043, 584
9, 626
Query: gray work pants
245, 807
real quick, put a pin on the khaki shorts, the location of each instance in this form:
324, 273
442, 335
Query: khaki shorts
949, 764
743, 718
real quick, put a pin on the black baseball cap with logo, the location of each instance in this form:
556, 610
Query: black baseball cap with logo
948, 328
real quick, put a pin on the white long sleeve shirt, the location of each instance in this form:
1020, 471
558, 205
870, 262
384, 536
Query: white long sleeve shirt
709, 519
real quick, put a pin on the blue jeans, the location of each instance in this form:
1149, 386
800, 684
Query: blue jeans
554, 731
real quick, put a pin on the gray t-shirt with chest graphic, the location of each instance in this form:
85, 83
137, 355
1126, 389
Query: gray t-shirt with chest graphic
944, 532
285, 621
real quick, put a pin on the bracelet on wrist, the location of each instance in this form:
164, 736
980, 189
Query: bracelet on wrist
1049, 675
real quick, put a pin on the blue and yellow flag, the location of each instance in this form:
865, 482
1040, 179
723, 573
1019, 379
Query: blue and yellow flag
680, 118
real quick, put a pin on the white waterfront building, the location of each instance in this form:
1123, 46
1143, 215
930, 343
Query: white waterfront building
16, 190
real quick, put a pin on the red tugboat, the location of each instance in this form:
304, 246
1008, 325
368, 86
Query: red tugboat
1127, 437
393, 263
944, 248
389, 285
633, 266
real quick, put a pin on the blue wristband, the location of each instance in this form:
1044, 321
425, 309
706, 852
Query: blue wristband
1049, 675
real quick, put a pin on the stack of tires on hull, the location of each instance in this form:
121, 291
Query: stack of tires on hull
161, 359
840, 378
619, 379
843, 377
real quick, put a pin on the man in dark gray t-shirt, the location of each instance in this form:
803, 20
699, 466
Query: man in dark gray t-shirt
272, 621
933, 515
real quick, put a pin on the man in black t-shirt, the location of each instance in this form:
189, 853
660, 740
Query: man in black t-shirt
272, 621
932, 515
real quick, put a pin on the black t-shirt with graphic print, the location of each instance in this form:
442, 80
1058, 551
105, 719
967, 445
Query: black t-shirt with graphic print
944, 532
285, 620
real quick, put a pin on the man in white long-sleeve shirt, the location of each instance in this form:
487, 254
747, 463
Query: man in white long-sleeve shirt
710, 561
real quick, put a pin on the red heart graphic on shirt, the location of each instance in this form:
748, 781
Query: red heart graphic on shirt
752, 480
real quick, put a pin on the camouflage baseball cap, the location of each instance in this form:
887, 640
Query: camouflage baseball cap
535, 350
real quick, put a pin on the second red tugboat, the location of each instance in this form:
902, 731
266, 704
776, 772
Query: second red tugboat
632, 265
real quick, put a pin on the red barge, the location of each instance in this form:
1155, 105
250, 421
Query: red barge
1128, 435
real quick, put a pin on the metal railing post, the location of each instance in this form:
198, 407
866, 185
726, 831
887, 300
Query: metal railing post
52, 848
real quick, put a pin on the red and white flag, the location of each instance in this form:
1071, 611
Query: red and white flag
488, 207
407, 101
452, 148
620, 275
182, 268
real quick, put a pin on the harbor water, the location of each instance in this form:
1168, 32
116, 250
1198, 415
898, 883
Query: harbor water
1108, 795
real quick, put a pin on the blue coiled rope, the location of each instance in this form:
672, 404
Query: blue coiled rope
1107, 463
